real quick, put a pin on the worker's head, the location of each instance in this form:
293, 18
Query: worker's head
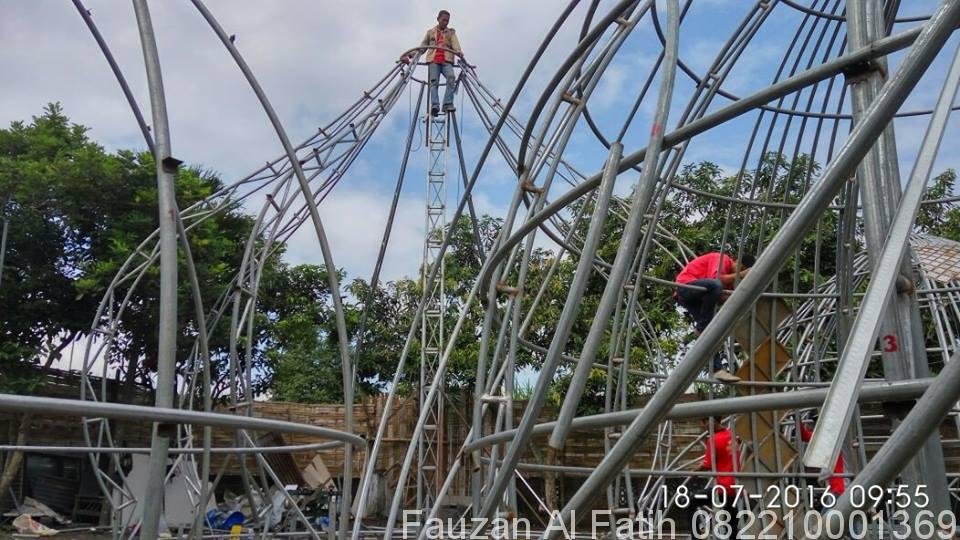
443, 19
746, 260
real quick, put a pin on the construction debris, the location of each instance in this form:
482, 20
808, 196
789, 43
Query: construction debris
27, 525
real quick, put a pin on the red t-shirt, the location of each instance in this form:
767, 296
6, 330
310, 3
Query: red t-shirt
705, 267
439, 57
836, 483
728, 460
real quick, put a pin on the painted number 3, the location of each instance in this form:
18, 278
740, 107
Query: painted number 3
890, 343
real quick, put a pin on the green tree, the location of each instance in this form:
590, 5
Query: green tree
66, 242
941, 218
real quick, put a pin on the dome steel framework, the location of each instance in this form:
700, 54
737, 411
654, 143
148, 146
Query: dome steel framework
846, 74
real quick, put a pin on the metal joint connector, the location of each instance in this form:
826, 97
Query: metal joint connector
530, 187
570, 98
170, 164
861, 70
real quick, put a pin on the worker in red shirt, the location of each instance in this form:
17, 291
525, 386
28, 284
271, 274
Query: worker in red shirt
720, 455
711, 277
835, 484
440, 61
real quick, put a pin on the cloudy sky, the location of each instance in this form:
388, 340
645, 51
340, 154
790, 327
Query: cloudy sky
315, 57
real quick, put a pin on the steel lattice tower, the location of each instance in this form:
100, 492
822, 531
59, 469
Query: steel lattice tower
432, 337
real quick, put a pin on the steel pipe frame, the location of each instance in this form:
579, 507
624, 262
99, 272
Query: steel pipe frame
364, 486
466, 199
467, 190
631, 234
293, 448
561, 134
143, 268
138, 253
115, 68
503, 366
699, 126
167, 334
123, 411
529, 172
855, 357
872, 392
922, 421
666, 473
880, 189
209, 214
892, 95
333, 280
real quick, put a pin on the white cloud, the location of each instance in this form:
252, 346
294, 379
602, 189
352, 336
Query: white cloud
354, 222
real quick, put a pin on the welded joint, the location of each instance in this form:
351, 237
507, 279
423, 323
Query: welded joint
237, 289
765, 4
859, 71
629, 286
530, 187
622, 21
508, 290
617, 360
570, 98
490, 398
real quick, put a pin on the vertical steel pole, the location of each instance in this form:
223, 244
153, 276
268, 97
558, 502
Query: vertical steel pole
900, 331
167, 332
